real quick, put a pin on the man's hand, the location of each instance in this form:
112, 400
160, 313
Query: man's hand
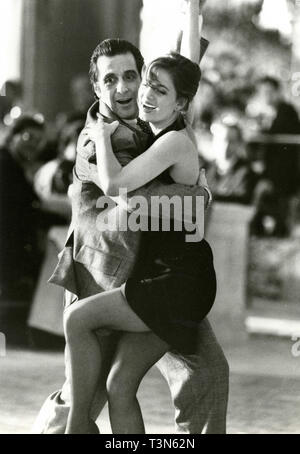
71, 192
100, 130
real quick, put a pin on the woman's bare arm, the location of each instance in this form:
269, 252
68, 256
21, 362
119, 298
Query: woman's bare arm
164, 153
190, 44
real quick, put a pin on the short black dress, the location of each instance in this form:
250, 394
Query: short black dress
173, 286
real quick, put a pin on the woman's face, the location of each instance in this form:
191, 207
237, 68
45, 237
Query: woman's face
157, 99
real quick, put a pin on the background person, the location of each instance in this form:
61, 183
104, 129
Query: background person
20, 216
274, 115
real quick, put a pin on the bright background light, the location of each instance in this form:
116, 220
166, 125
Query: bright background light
10, 39
275, 15
161, 19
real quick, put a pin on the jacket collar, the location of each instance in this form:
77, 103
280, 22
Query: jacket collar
107, 114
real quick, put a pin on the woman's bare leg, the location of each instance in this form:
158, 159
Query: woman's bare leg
136, 354
105, 310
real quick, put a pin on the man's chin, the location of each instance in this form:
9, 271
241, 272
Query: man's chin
127, 113
128, 116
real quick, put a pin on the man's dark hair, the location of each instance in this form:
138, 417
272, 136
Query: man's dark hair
270, 81
111, 48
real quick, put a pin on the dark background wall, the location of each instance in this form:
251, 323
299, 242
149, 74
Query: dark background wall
58, 39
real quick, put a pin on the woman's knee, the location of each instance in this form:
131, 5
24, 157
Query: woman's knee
121, 386
73, 323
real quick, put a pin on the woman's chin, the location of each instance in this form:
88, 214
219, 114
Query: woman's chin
143, 116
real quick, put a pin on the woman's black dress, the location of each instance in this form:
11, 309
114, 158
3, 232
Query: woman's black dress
173, 286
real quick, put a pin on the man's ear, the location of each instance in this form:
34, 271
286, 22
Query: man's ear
97, 90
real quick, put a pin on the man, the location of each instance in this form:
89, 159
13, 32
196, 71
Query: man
20, 255
92, 261
276, 116
230, 175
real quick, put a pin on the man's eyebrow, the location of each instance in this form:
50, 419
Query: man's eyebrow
109, 75
130, 71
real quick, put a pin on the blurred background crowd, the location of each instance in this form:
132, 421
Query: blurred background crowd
246, 123
36, 162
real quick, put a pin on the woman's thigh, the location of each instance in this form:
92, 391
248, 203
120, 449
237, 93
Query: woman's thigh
136, 353
106, 310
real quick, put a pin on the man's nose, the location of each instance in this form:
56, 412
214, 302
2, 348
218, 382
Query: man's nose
122, 87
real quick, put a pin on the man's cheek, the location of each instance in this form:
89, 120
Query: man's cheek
109, 100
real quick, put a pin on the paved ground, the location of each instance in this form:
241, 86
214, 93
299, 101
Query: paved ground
264, 386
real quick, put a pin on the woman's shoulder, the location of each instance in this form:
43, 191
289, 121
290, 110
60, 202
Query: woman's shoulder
185, 138
190, 133
181, 136
177, 142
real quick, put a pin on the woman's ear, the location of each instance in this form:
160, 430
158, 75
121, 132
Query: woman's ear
182, 104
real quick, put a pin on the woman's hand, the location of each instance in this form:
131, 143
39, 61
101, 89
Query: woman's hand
185, 3
100, 130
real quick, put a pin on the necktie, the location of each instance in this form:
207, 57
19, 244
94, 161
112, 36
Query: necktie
144, 127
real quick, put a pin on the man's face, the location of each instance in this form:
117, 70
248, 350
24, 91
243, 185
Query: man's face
118, 84
227, 144
28, 144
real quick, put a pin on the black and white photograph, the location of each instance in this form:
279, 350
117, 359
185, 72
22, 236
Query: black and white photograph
149, 219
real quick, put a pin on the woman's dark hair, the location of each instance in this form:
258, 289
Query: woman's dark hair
185, 74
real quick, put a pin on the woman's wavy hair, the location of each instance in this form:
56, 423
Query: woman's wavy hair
185, 74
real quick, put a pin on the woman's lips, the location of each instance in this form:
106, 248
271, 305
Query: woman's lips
148, 108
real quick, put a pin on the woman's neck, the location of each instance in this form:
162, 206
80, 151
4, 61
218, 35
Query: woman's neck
159, 127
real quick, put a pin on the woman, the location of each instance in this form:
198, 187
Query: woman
168, 297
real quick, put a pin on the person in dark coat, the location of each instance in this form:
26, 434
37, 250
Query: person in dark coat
19, 208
